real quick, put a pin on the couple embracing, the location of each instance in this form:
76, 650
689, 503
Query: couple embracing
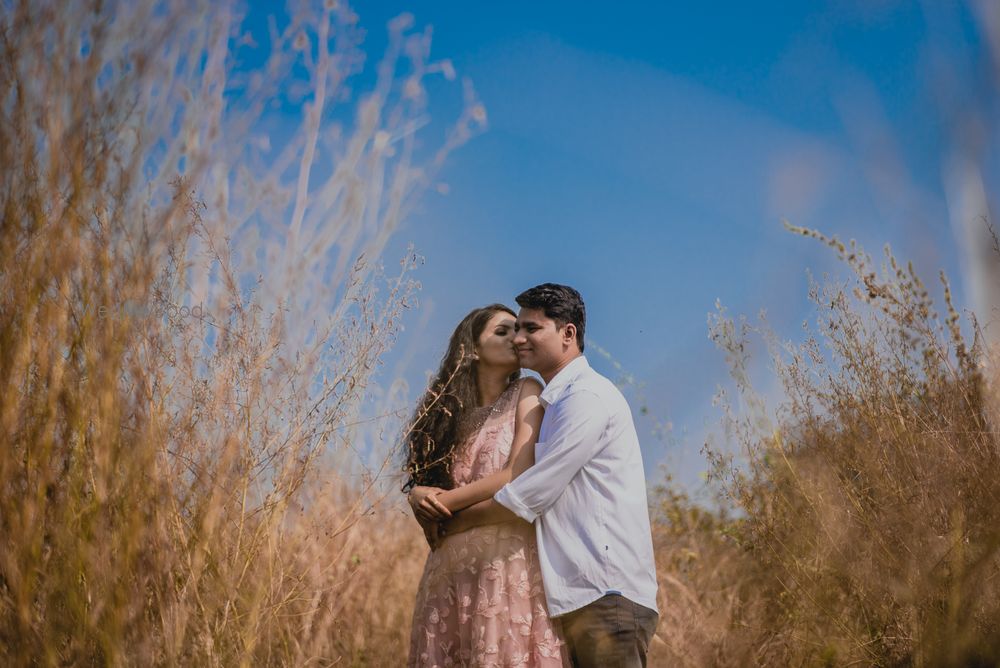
532, 498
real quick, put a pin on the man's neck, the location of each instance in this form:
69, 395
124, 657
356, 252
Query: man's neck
549, 375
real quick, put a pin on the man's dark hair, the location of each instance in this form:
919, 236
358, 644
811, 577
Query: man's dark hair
559, 302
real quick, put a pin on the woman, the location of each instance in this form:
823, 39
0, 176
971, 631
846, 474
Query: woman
480, 600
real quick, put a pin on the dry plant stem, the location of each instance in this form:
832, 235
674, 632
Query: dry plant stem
164, 481
866, 502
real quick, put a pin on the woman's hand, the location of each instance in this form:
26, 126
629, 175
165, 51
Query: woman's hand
425, 506
433, 534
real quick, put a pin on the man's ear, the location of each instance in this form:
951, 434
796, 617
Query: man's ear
569, 333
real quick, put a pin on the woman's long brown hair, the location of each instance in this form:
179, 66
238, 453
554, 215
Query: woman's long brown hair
432, 437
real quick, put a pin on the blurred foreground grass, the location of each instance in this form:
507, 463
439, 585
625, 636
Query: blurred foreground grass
180, 478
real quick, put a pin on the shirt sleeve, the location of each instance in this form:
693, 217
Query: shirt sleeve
578, 424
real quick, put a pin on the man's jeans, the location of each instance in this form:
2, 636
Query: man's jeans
611, 632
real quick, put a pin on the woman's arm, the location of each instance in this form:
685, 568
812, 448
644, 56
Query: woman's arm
527, 420
488, 511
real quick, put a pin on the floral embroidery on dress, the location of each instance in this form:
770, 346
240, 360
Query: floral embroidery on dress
481, 601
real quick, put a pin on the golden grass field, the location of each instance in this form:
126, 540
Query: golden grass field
183, 488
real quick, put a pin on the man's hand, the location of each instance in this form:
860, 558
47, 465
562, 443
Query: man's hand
425, 506
456, 524
432, 533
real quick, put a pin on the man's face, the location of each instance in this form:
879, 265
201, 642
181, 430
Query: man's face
539, 340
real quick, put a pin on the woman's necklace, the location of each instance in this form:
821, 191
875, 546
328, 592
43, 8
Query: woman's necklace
472, 420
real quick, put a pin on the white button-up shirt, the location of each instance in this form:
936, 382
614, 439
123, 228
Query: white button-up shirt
586, 495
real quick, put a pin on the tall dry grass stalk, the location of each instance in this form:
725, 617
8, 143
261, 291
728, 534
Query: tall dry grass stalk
189, 319
865, 527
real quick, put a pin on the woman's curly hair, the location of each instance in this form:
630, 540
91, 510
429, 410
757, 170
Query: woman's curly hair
431, 439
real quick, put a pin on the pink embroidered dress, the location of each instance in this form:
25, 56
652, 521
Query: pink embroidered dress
481, 601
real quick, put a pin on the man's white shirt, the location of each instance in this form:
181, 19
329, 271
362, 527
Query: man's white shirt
586, 495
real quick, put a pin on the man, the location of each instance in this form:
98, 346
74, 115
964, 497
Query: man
586, 493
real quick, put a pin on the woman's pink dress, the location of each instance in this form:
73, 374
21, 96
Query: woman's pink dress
481, 601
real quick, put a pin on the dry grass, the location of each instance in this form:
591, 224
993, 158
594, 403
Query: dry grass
865, 527
189, 320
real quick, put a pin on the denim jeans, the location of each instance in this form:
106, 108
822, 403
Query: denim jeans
611, 632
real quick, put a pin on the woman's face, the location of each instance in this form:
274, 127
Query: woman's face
496, 344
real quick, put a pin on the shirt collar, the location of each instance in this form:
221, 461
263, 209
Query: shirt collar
554, 390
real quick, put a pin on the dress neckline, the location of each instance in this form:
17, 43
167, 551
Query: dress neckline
473, 419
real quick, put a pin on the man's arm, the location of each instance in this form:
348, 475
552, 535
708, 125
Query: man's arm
578, 424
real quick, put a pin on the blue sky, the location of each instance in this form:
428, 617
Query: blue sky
646, 153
